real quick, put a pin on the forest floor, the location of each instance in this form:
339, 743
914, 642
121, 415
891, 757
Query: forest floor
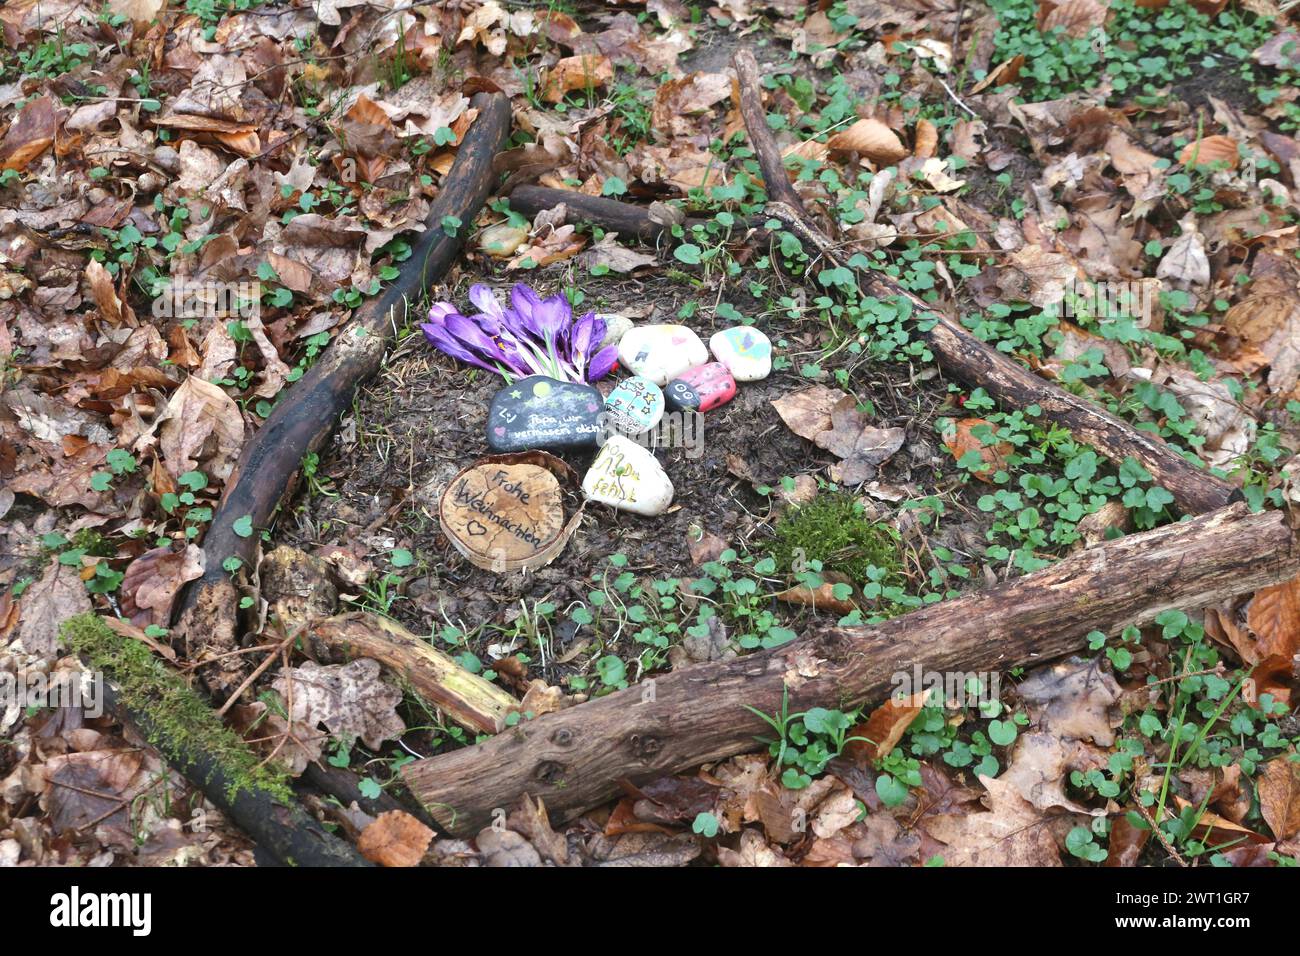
1011, 162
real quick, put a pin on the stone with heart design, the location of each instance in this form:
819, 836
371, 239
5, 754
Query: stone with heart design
628, 477
544, 413
745, 351
661, 352
635, 405
701, 389
501, 514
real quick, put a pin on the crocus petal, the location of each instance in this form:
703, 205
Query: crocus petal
439, 311
601, 363
553, 316
442, 340
580, 336
485, 300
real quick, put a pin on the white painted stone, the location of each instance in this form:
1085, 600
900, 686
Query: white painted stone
661, 352
745, 351
635, 405
616, 326
628, 477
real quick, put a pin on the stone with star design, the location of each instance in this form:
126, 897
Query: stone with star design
635, 405
544, 413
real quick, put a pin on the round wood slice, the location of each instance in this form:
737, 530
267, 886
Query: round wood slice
504, 515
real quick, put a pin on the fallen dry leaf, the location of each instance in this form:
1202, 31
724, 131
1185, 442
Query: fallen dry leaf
201, 426
807, 412
57, 596
1011, 833
870, 138
885, 727
350, 700
863, 446
977, 437
1212, 150
395, 839
1279, 795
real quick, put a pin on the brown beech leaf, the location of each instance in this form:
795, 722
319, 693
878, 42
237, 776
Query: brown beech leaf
1126, 842
978, 436
201, 425
587, 71
885, 727
57, 596
1279, 795
870, 138
31, 134
1210, 150
807, 412
1274, 617
821, 597
678, 103
350, 700
1012, 833
1077, 18
395, 839
862, 445
927, 139
152, 581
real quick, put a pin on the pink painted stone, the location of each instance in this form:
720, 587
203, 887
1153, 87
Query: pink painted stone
701, 389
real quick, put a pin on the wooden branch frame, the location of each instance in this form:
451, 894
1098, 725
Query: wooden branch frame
575, 758
206, 612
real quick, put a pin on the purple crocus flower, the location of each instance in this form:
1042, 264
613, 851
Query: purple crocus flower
534, 336
601, 363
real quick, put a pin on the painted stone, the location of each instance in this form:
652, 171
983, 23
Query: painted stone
745, 351
616, 326
502, 239
635, 405
701, 389
628, 477
544, 413
661, 352
499, 515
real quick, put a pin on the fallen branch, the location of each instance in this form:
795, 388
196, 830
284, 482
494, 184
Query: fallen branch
141, 691
626, 219
206, 611
574, 758
959, 352
466, 698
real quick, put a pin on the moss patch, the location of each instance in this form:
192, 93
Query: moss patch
183, 725
833, 529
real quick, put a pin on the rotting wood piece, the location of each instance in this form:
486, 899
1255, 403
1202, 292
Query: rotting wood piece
574, 758
206, 611
466, 698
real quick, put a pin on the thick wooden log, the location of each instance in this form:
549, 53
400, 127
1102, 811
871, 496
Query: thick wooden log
466, 698
574, 758
206, 611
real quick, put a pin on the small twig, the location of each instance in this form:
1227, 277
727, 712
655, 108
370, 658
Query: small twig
1160, 835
